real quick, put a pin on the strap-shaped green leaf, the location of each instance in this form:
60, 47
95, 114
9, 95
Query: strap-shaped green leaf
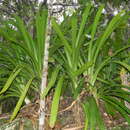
74, 27
125, 65
115, 101
51, 82
61, 36
83, 68
67, 47
111, 27
94, 27
93, 116
87, 115
121, 96
55, 102
41, 24
118, 108
10, 79
77, 45
106, 61
21, 99
82, 25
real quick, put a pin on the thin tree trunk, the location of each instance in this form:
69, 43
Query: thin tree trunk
45, 72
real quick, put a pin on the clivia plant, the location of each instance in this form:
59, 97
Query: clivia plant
75, 57
81, 60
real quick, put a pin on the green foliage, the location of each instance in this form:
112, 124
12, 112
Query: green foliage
74, 51
93, 116
55, 102
51, 82
21, 57
83, 61
21, 99
10, 80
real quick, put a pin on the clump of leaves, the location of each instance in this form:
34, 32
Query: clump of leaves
81, 58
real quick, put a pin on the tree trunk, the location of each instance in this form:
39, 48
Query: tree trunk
45, 71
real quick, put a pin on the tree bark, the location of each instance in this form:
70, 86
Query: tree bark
45, 71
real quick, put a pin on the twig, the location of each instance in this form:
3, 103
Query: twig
74, 128
73, 103
69, 107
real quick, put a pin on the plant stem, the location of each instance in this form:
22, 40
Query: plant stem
45, 73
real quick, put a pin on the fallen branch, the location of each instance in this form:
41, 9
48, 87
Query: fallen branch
74, 128
72, 104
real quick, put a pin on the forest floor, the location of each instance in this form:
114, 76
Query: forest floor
70, 117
